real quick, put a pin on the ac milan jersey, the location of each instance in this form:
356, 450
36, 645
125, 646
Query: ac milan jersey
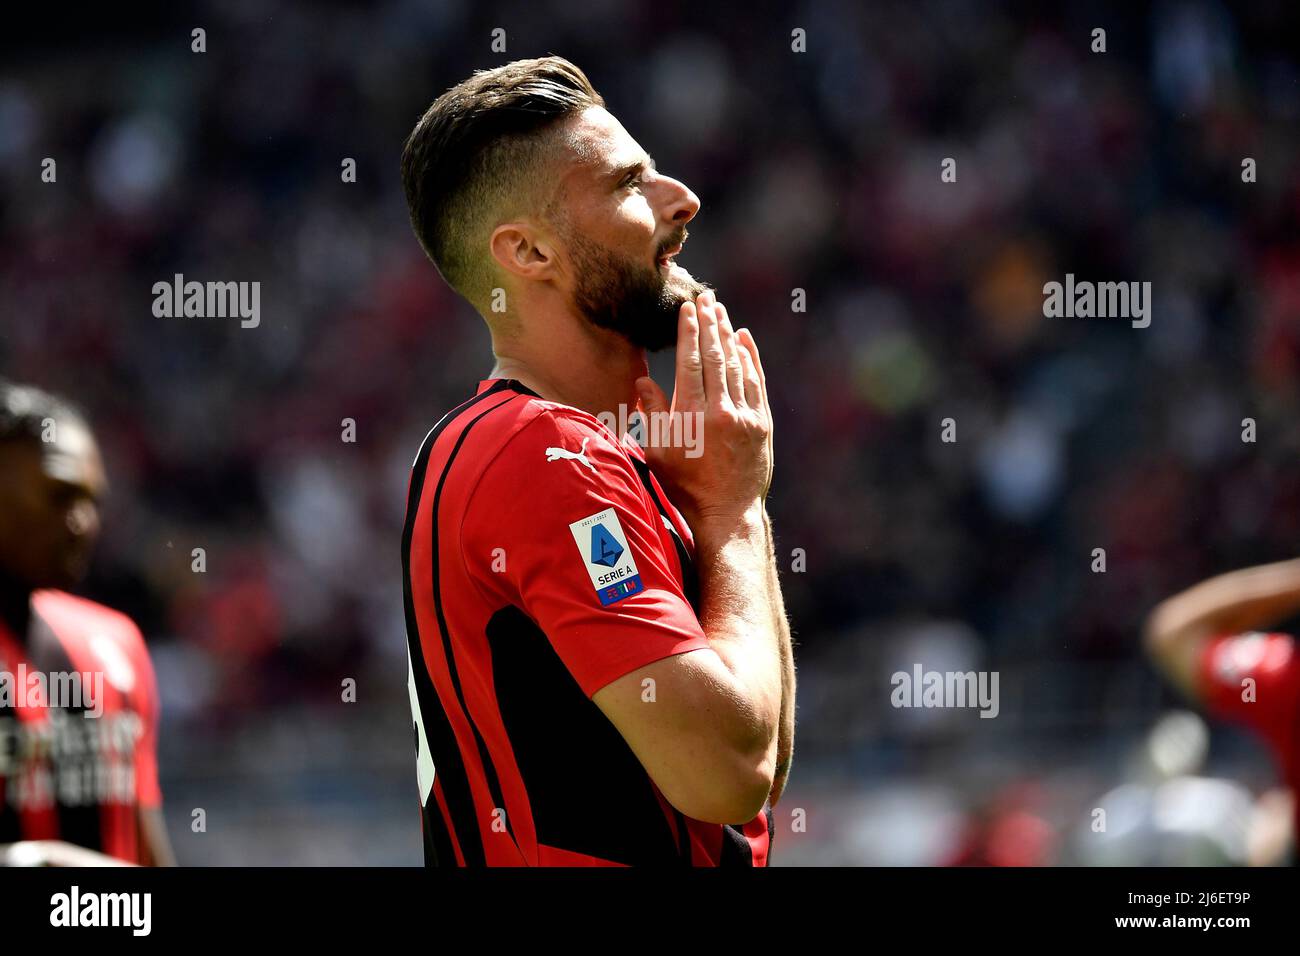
542, 561
78, 728
1254, 679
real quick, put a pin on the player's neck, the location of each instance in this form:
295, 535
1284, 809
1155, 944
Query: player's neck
596, 373
15, 607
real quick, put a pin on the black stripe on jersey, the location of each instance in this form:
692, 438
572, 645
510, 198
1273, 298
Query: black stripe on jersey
691, 590
736, 849
690, 581
81, 825
683, 838
588, 792
437, 838
10, 828
449, 768
520, 387
494, 782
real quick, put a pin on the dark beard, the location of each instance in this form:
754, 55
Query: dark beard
639, 303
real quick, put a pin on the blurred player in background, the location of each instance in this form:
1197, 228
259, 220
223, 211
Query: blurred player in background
78, 702
1211, 641
1167, 810
601, 671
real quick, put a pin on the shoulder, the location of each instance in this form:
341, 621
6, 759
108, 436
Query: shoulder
500, 427
108, 635
542, 442
558, 461
63, 610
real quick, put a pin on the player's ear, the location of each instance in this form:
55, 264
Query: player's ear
520, 249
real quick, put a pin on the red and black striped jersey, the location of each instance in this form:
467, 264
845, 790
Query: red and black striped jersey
541, 561
78, 728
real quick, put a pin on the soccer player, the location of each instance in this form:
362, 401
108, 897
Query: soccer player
1211, 642
601, 670
78, 703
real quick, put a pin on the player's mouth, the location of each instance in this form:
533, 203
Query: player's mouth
665, 261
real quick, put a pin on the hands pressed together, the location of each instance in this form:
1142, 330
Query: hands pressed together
719, 378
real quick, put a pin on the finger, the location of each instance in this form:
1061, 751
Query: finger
731, 354
652, 396
746, 340
749, 372
688, 388
711, 355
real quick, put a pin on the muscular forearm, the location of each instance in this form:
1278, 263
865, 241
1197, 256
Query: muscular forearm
785, 734
736, 601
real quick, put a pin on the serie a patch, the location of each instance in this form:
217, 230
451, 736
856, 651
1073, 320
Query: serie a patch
607, 557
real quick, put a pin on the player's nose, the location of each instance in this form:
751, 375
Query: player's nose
681, 204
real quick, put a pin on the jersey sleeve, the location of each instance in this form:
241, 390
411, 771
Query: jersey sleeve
1254, 679
561, 526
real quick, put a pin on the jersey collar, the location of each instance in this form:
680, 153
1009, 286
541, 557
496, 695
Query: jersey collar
501, 383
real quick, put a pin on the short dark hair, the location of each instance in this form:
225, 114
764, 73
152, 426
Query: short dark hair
24, 410
475, 155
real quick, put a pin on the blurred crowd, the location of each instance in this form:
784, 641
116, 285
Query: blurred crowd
818, 171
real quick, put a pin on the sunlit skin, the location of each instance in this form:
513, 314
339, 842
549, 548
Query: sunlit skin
49, 524
591, 285
619, 211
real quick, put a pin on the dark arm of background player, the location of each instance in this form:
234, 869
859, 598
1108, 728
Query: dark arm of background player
785, 730
156, 847
1179, 629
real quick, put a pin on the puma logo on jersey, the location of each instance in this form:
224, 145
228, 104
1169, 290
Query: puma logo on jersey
555, 454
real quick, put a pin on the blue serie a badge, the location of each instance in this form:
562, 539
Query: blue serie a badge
608, 560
